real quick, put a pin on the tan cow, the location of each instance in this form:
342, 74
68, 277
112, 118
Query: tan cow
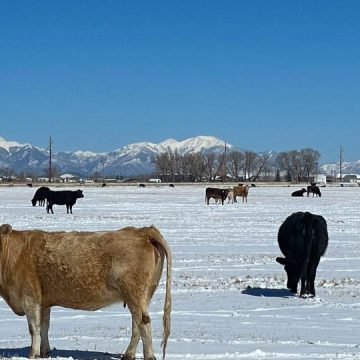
241, 190
231, 196
87, 271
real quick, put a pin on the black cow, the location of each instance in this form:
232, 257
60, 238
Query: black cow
303, 239
299, 192
40, 196
215, 193
64, 197
315, 190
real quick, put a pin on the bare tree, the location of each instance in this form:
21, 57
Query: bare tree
210, 160
234, 163
173, 166
299, 165
249, 164
310, 159
262, 165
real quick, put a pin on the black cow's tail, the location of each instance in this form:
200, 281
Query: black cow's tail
309, 231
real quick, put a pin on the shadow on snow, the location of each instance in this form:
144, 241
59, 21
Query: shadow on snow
257, 291
55, 353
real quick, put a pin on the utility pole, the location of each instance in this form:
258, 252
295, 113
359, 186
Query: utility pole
224, 166
341, 160
50, 158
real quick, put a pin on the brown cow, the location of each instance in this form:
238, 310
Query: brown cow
216, 193
241, 190
86, 271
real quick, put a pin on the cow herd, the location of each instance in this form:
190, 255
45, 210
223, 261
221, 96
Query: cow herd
62, 197
311, 189
90, 270
220, 195
302, 238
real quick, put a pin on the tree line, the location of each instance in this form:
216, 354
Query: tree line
294, 165
173, 166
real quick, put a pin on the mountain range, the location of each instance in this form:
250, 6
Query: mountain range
130, 160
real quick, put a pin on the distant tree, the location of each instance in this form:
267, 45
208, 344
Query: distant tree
55, 172
249, 164
299, 165
173, 166
234, 163
277, 176
210, 161
7, 172
261, 165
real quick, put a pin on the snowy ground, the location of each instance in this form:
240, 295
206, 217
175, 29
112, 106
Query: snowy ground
229, 294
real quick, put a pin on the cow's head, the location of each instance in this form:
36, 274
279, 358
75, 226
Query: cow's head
79, 194
292, 272
33, 201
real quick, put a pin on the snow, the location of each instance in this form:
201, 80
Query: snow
9, 144
87, 154
229, 294
194, 144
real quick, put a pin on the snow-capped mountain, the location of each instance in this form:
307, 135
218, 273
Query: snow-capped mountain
130, 160
20, 157
346, 168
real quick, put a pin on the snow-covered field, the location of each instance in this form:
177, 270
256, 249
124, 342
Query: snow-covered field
229, 295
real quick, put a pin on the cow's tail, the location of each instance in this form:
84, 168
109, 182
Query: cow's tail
309, 229
157, 238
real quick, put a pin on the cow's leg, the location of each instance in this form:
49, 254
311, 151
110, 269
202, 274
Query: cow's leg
303, 284
33, 318
49, 208
312, 274
146, 336
135, 337
142, 319
44, 326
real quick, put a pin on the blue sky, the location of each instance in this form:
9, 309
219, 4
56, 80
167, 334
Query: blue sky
261, 75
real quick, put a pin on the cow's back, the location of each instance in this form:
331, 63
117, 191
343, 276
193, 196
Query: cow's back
61, 197
291, 235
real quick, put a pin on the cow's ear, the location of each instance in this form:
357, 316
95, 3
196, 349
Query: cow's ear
5, 229
281, 260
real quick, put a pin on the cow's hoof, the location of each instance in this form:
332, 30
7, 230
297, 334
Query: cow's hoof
127, 357
45, 353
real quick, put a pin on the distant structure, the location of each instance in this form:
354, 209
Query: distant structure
340, 162
50, 158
